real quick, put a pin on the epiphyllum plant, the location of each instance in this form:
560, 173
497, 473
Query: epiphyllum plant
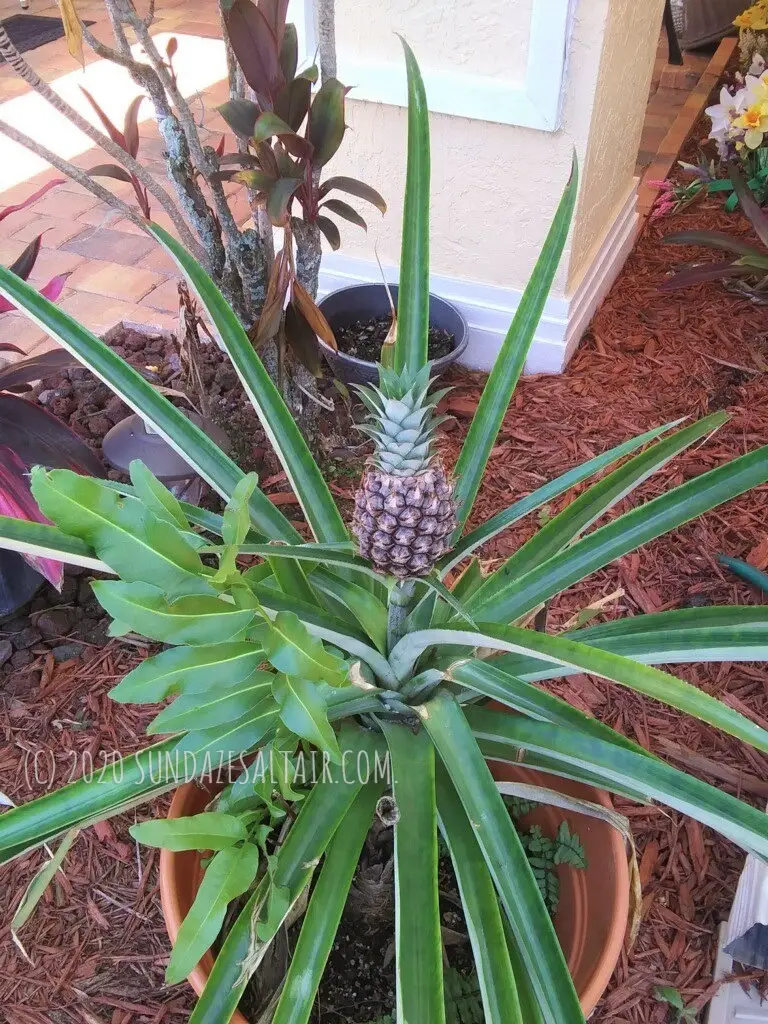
350, 653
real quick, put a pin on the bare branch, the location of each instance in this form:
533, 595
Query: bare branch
181, 171
203, 161
20, 66
109, 52
73, 172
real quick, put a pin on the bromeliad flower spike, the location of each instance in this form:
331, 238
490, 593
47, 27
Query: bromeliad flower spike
371, 650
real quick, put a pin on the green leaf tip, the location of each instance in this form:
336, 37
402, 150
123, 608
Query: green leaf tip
413, 297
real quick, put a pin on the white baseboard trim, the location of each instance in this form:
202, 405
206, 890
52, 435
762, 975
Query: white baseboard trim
489, 308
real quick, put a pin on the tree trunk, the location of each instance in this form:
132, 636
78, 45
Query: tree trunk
325, 27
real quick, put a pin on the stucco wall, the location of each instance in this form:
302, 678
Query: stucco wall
626, 63
439, 32
495, 186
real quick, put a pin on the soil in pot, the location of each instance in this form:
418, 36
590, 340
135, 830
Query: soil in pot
358, 986
590, 921
364, 338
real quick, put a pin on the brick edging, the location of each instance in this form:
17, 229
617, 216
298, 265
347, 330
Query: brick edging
673, 141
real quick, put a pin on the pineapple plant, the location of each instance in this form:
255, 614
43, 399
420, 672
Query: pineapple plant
369, 657
404, 508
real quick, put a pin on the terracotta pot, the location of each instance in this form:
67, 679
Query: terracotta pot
591, 917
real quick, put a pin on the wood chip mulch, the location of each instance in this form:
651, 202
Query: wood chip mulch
98, 943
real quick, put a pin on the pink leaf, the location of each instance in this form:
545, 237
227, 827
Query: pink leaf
16, 500
54, 287
31, 199
50, 291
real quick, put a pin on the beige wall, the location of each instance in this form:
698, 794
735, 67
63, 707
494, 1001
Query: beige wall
495, 186
439, 30
630, 39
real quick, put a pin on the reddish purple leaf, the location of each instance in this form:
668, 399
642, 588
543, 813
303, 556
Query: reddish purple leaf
50, 291
39, 438
256, 47
16, 500
355, 188
289, 52
47, 364
220, 146
131, 126
6, 346
8, 210
267, 160
54, 288
342, 209
279, 199
109, 171
269, 125
112, 130
275, 13
23, 264
292, 102
330, 230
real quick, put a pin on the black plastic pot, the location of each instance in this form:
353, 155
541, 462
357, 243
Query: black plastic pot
19, 582
365, 301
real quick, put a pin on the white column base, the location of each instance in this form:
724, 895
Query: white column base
489, 309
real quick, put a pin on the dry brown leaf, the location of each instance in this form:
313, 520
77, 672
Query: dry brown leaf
73, 30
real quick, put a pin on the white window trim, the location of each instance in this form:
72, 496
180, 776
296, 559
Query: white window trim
536, 102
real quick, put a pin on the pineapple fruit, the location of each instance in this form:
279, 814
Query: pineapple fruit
404, 508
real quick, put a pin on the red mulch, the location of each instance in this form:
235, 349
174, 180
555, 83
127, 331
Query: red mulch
647, 359
98, 942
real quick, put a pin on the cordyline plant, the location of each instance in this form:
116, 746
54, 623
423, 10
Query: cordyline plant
31, 435
25, 262
369, 654
270, 101
746, 269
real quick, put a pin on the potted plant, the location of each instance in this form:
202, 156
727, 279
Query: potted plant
366, 655
592, 909
361, 318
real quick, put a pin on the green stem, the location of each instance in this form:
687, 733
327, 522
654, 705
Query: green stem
401, 601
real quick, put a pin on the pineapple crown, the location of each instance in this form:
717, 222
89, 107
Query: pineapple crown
402, 420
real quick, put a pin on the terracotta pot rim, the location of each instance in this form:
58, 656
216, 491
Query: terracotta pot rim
605, 966
591, 992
